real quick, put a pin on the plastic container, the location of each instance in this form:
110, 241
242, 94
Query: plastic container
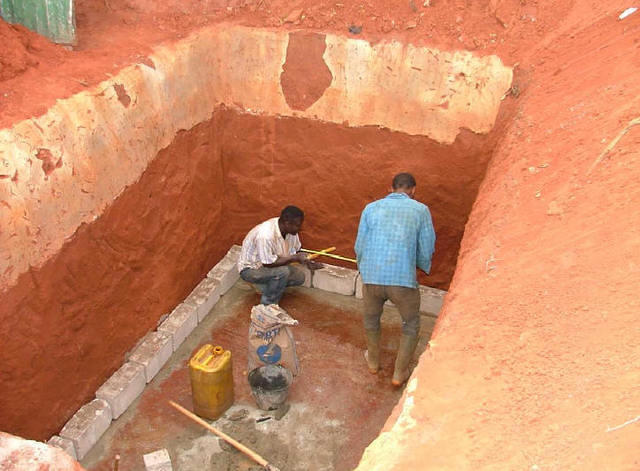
270, 385
211, 381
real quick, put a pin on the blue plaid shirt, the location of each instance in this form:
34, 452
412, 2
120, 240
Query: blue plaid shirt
395, 235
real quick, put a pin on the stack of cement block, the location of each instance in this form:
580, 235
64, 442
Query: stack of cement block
113, 398
195, 308
225, 273
64, 443
86, 427
154, 351
122, 388
335, 280
180, 324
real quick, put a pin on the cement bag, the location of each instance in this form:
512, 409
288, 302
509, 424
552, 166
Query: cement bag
270, 338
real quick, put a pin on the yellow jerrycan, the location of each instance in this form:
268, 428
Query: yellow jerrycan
211, 381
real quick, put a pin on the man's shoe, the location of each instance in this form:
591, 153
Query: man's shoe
401, 371
372, 369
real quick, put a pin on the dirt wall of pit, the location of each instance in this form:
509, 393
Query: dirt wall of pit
119, 199
535, 362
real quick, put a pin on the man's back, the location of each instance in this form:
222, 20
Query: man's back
395, 235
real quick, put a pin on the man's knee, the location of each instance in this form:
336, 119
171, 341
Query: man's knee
296, 276
411, 326
279, 272
264, 275
245, 274
407, 300
371, 322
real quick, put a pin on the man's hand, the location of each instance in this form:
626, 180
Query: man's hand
311, 265
300, 257
303, 259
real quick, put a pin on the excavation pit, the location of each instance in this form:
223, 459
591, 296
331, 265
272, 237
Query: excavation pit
126, 194
127, 169
336, 406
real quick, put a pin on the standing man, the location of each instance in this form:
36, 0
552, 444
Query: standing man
394, 237
268, 252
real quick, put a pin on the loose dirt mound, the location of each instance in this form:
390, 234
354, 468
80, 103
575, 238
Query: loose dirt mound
21, 49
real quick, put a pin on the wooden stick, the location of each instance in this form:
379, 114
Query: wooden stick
320, 252
251, 454
612, 144
628, 422
116, 463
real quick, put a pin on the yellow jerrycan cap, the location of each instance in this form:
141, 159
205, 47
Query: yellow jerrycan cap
209, 358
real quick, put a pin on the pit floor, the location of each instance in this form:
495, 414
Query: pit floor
336, 406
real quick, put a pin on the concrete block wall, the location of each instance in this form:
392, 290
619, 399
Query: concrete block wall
204, 297
153, 353
122, 388
64, 444
335, 280
86, 427
113, 398
431, 300
180, 323
225, 273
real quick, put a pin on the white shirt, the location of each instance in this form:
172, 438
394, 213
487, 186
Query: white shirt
264, 244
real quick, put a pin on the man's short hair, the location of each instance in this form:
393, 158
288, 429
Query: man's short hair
291, 213
403, 180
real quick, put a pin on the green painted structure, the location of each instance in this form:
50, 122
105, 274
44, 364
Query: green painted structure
54, 19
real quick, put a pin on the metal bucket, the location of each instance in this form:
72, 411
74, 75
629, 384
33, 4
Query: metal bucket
270, 385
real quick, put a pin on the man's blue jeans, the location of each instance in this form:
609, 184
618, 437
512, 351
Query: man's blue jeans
273, 280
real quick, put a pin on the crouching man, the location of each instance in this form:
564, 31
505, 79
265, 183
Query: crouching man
269, 252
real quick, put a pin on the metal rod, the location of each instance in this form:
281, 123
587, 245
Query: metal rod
324, 254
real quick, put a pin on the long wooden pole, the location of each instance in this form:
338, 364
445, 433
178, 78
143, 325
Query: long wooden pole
251, 454
322, 253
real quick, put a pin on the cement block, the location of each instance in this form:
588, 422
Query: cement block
335, 280
157, 461
204, 297
86, 427
226, 271
124, 386
153, 353
359, 286
180, 323
431, 300
65, 444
